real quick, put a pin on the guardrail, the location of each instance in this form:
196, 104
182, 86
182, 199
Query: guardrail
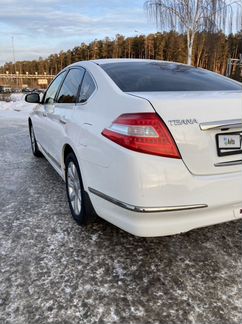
14, 76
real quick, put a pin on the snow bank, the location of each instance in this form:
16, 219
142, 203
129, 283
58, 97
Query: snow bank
17, 108
17, 97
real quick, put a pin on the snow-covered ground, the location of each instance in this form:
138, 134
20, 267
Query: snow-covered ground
17, 108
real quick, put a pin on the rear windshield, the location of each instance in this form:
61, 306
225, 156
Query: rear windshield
162, 76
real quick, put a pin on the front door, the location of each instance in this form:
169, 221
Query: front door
43, 125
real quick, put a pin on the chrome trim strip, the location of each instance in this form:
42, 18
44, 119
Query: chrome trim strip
232, 123
63, 121
144, 209
228, 163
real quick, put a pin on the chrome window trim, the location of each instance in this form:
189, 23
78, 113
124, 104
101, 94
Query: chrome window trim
68, 70
94, 92
140, 209
64, 71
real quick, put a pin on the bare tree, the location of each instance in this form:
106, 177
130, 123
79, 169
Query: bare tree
192, 16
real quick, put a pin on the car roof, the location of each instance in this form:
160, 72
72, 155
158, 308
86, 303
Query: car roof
122, 60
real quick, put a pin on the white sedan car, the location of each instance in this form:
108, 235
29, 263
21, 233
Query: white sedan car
152, 147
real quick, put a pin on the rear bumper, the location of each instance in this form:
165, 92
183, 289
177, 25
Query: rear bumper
162, 223
149, 185
184, 202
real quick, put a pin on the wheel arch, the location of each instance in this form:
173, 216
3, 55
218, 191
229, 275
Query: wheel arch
65, 151
67, 148
29, 123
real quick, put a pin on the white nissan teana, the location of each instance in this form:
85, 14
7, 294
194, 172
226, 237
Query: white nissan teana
152, 147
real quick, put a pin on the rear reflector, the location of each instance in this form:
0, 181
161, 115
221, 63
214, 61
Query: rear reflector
144, 133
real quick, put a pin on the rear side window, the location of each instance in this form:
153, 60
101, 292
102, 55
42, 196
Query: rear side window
69, 90
164, 76
53, 88
87, 88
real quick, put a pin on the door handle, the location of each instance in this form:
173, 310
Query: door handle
62, 120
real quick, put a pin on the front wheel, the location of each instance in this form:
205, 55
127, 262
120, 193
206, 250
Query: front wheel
74, 189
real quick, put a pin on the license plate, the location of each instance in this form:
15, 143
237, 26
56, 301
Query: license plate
228, 144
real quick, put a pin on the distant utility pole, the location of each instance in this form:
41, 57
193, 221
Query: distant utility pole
232, 65
13, 50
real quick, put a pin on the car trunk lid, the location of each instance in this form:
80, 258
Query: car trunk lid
199, 121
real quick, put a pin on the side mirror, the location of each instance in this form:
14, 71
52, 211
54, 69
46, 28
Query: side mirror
32, 98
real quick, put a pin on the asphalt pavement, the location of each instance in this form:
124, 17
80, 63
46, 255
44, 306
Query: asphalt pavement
54, 271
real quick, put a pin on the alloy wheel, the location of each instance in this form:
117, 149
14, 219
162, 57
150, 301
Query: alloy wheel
74, 188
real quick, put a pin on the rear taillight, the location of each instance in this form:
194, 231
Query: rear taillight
143, 132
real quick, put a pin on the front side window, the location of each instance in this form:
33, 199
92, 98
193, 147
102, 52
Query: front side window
53, 88
69, 90
87, 88
165, 76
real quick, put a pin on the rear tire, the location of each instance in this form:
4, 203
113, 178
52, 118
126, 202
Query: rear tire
35, 150
74, 190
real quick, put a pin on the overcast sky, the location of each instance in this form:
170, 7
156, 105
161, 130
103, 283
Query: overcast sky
45, 27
